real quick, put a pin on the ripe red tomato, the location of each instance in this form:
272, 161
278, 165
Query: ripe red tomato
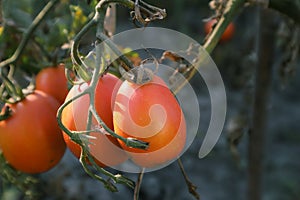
31, 139
52, 80
228, 33
150, 113
104, 148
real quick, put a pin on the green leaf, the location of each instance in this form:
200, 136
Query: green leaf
17, 13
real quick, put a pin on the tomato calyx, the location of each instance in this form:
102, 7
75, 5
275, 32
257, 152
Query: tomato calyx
13, 93
6, 113
138, 75
135, 143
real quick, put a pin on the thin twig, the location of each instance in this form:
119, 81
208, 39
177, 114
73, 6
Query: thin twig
138, 185
192, 188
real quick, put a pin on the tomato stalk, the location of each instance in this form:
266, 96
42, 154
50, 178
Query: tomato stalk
85, 154
13, 89
98, 19
76, 136
117, 178
151, 12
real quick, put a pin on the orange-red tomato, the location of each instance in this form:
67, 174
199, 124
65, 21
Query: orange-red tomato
150, 113
104, 148
52, 80
228, 33
31, 139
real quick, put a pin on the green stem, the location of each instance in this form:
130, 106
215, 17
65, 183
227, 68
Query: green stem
101, 10
116, 178
131, 142
27, 35
73, 136
84, 164
81, 67
231, 10
127, 63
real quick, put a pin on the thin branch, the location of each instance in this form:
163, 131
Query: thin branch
192, 188
138, 185
231, 10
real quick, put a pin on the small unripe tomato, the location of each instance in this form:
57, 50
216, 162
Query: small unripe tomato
150, 113
228, 33
52, 80
105, 148
31, 139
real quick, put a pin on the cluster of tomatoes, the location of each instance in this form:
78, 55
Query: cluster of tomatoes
32, 141
129, 109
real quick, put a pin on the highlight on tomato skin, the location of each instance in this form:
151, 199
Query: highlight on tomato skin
30, 139
152, 114
104, 148
52, 80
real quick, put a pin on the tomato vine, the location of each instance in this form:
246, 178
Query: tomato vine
93, 76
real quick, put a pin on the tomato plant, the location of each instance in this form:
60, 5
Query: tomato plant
228, 33
104, 148
31, 139
150, 113
52, 80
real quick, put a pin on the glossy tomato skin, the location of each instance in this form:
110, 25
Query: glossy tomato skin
106, 149
52, 80
31, 139
152, 114
228, 33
